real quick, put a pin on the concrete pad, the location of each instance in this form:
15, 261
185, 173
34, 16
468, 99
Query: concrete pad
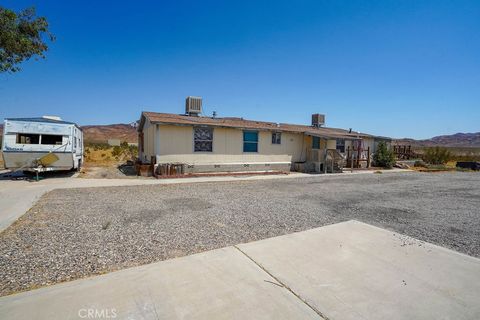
353, 270
219, 284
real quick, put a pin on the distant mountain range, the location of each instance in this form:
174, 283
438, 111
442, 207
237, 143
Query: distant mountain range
127, 132
101, 133
452, 140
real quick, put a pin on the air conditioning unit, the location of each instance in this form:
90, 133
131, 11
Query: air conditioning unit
318, 120
193, 106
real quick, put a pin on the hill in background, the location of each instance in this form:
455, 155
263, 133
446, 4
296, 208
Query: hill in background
459, 140
127, 132
101, 133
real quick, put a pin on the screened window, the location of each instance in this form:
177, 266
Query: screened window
250, 141
203, 139
315, 143
341, 145
276, 138
52, 139
28, 138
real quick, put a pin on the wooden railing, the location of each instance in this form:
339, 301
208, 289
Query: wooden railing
357, 155
405, 152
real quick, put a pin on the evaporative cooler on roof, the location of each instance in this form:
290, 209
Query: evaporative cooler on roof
193, 106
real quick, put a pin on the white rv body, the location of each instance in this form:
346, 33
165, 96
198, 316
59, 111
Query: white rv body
25, 140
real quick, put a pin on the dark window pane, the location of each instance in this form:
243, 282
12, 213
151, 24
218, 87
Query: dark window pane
203, 134
276, 138
27, 138
250, 147
51, 139
203, 146
251, 136
341, 145
203, 139
315, 143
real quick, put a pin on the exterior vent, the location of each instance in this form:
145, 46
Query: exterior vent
318, 120
193, 106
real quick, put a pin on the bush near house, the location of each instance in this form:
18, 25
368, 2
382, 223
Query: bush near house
419, 164
95, 146
103, 154
383, 157
125, 150
437, 155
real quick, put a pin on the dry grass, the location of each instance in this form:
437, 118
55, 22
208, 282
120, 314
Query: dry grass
458, 153
102, 157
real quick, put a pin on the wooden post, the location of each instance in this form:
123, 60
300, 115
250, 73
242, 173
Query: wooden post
368, 157
358, 157
325, 157
348, 155
351, 161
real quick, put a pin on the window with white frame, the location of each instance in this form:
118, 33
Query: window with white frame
276, 138
203, 139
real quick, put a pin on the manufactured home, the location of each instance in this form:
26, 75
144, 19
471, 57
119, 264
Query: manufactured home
26, 142
228, 144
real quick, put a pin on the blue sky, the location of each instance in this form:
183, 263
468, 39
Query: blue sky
395, 68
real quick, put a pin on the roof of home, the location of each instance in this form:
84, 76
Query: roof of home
41, 119
240, 123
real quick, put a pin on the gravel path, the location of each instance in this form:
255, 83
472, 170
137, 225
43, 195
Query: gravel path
73, 233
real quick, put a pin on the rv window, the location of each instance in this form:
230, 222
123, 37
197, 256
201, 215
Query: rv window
28, 138
51, 139
203, 139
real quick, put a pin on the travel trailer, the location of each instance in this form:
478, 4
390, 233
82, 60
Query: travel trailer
42, 144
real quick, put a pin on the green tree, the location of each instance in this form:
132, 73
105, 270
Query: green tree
383, 157
22, 36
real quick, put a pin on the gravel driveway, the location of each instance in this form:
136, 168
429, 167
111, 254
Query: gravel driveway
73, 233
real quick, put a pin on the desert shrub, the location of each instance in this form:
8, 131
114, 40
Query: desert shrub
97, 145
384, 157
419, 163
133, 150
117, 151
437, 155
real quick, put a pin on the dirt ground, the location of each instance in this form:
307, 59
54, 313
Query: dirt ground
111, 171
102, 164
73, 233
